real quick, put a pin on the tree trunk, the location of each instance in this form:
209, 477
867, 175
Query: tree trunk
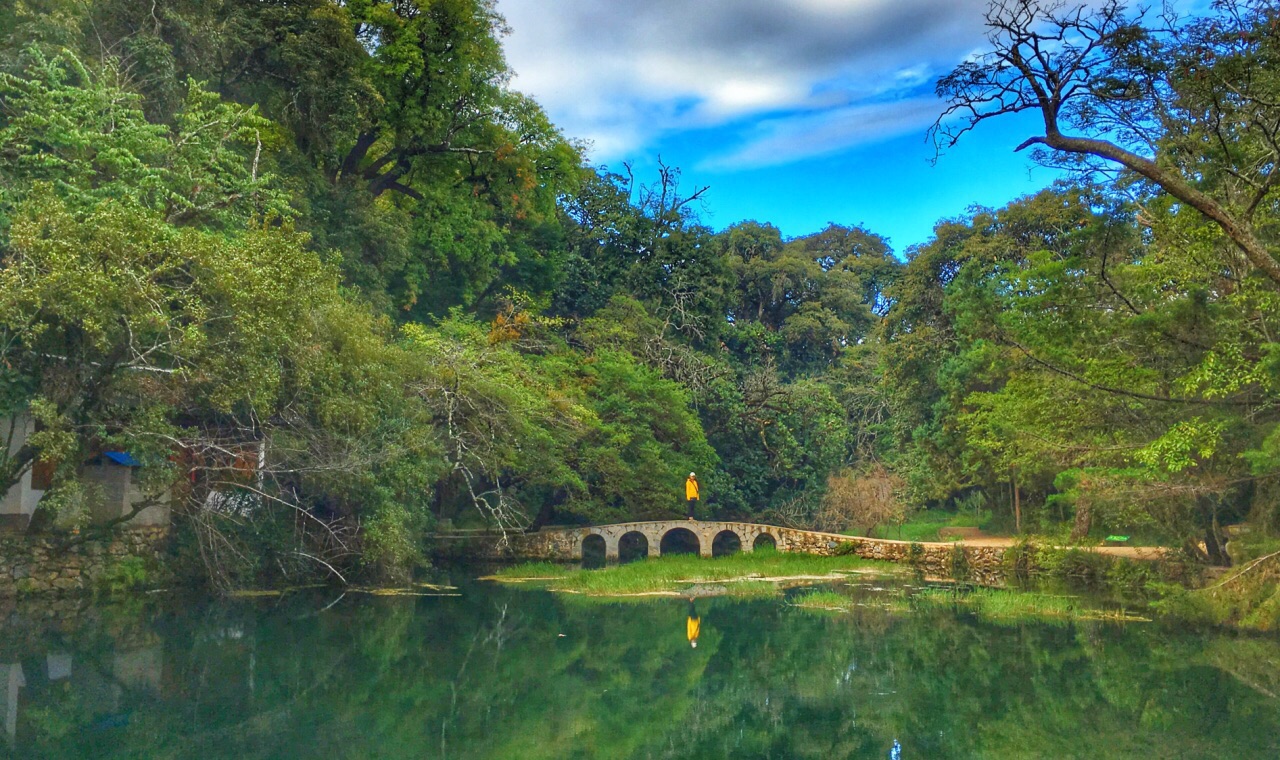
1084, 520
356, 156
1017, 507
1214, 548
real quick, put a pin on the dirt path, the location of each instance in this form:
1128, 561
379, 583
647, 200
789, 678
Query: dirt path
1131, 552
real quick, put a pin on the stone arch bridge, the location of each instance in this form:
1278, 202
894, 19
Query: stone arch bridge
652, 539
642, 539
983, 563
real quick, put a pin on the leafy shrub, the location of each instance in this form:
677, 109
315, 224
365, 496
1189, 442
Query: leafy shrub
392, 542
129, 573
1131, 576
1019, 560
959, 564
915, 557
845, 548
1075, 565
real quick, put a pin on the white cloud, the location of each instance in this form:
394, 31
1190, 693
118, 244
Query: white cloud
622, 73
782, 141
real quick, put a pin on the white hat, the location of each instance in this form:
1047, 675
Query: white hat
691, 474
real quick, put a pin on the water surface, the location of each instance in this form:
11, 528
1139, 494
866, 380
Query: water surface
515, 673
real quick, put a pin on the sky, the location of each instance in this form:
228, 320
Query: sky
795, 112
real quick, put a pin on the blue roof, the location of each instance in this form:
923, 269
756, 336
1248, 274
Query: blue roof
122, 458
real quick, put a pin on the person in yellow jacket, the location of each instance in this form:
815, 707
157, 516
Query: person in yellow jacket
692, 493
693, 626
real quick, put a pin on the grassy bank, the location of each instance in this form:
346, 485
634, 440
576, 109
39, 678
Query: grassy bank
994, 604
738, 574
1018, 605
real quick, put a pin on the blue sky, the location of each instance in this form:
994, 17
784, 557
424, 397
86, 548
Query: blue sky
795, 112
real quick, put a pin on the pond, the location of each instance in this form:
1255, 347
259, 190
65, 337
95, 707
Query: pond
505, 672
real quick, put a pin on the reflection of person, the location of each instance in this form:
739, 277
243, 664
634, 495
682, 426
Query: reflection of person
693, 626
692, 493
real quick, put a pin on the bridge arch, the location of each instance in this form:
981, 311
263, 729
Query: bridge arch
764, 540
593, 550
680, 540
633, 545
726, 542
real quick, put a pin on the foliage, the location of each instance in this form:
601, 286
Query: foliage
123, 575
862, 502
925, 524
959, 564
332, 282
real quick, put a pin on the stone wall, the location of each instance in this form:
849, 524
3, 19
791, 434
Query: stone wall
983, 565
31, 565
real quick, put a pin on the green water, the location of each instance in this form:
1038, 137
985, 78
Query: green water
514, 673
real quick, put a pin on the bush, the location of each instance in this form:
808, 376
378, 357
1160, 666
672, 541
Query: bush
915, 557
845, 548
1075, 565
392, 543
129, 573
1131, 576
1184, 605
1019, 560
959, 564
861, 501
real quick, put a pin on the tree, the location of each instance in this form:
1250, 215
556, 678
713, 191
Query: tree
860, 501
1189, 106
80, 131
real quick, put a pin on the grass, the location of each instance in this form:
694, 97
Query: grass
750, 574
822, 599
532, 571
1017, 605
924, 525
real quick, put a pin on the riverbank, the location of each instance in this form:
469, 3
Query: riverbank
841, 584
997, 605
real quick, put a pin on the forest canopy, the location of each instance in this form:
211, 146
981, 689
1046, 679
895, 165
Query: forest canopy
329, 278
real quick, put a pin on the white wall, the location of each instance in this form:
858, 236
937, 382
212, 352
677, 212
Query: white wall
19, 501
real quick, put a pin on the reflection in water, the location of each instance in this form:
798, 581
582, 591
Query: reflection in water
11, 681
489, 675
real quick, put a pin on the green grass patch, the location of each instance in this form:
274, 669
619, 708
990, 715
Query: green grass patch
822, 599
924, 525
532, 571
753, 574
1017, 605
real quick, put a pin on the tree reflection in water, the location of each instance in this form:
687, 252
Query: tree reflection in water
489, 675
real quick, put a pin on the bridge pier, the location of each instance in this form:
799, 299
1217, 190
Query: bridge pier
611, 553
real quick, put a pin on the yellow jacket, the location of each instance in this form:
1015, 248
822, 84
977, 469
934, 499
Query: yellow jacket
693, 627
691, 489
